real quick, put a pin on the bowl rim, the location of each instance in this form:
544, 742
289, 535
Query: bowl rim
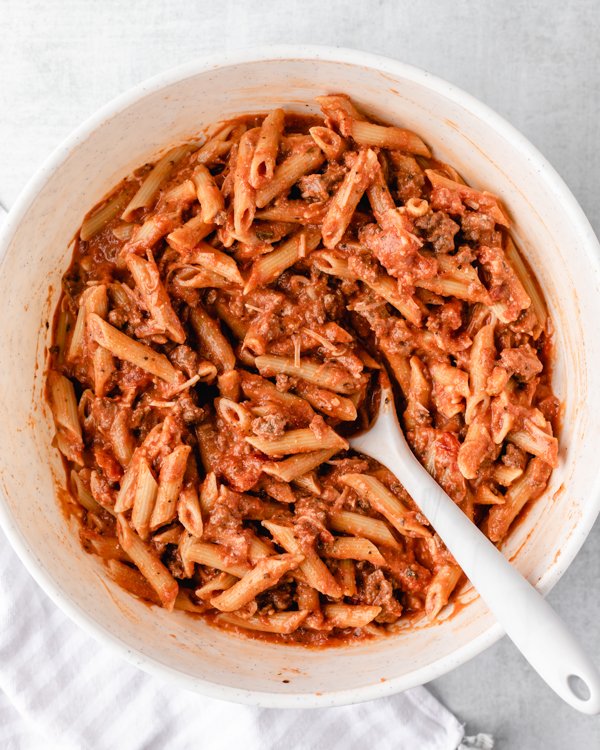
353, 57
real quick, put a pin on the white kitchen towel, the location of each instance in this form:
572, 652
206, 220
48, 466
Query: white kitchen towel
59, 688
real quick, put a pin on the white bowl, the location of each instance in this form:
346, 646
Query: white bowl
552, 232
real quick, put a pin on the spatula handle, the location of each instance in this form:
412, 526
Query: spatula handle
529, 621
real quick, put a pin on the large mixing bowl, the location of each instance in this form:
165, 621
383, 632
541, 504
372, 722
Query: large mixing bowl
552, 232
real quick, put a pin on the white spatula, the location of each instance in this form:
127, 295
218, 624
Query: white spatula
528, 620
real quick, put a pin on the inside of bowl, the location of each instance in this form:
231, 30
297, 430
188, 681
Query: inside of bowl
37, 254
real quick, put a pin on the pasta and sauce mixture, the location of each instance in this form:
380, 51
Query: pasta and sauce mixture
220, 334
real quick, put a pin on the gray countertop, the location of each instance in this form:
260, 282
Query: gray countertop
535, 62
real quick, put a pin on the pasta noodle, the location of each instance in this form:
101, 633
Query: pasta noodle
151, 185
221, 331
267, 146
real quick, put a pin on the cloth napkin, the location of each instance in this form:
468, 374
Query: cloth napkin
61, 689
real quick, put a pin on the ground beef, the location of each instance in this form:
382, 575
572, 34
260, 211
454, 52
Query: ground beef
225, 524
438, 229
319, 186
446, 317
284, 382
478, 227
514, 457
101, 490
111, 468
310, 521
376, 590
190, 413
275, 600
397, 251
405, 572
409, 176
186, 359
364, 266
522, 361
443, 199
271, 425
174, 563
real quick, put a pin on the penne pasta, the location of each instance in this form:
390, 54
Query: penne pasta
234, 414
171, 535
283, 623
61, 395
339, 109
244, 196
294, 212
527, 281
396, 139
329, 262
267, 146
353, 548
156, 300
346, 576
297, 466
486, 201
185, 603
535, 440
328, 402
212, 340
97, 220
330, 143
329, 376
131, 580
403, 302
260, 547
456, 280
221, 582
208, 194
299, 441
441, 587
346, 199
506, 475
288, 173
214, 556
348, 522
481, 364
148, 564
266, 573
307, 482
104, 368
149, 188
93, 300
82, 495
527, 487
349, 615
170, 482
108, 548
384, 502
146, 489
64, 323
186, 237
317, 573
214, 262
270, 266
126, 348
219, 144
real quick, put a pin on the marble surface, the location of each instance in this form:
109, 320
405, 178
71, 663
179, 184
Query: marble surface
535, 62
